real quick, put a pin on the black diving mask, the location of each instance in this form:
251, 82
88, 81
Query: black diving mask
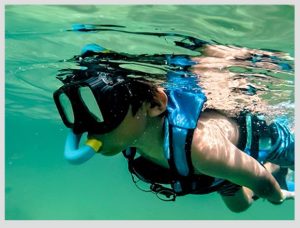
96, 105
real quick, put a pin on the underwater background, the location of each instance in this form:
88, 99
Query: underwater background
39, 183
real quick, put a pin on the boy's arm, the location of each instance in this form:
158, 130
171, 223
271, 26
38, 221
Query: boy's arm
215, 155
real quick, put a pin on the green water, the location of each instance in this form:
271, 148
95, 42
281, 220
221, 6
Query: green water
39, 183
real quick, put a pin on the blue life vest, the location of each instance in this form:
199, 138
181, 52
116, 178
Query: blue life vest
185, 103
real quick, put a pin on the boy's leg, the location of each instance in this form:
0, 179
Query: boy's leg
238, 200
282, 149
273, 143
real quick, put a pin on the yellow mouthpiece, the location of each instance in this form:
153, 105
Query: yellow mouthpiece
94, 143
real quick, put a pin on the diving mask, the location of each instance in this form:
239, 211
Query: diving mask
96, 105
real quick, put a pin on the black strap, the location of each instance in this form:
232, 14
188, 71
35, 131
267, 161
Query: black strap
255, 138
259, 129
188, 146
171, 160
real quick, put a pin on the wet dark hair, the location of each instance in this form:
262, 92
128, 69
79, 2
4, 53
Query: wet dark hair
142, 91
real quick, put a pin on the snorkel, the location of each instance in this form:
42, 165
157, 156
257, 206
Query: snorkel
78, 155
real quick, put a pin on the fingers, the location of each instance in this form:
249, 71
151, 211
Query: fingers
288, 194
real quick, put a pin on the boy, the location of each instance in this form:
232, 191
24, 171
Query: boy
164, 127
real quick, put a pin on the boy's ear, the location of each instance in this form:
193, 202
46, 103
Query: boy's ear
160, 104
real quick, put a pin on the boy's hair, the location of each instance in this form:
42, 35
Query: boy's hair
142, 91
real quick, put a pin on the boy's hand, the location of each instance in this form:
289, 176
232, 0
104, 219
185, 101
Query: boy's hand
287, 195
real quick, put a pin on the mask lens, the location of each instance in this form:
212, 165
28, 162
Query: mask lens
67, 107
90, 102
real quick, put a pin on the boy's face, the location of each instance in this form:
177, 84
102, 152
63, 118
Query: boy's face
125, 135
132, 127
